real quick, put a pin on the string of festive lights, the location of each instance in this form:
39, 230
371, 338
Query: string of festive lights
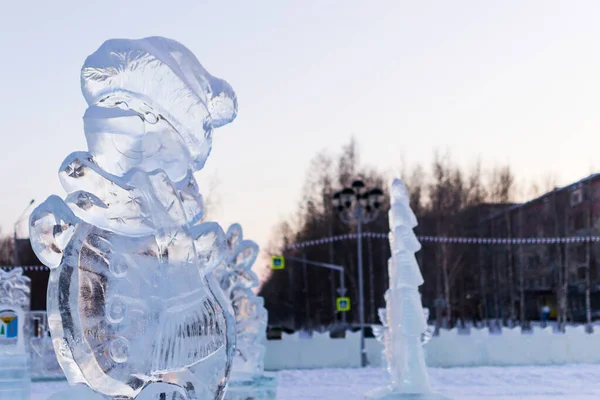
26, 267
450, 239
424, 239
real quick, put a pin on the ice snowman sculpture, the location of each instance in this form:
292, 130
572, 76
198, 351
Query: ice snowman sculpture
132, 303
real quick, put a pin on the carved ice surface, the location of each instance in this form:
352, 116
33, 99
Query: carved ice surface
15, 289
132, 304
404, 321
237, 280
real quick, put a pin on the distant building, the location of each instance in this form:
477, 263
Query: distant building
569, 211
468, 263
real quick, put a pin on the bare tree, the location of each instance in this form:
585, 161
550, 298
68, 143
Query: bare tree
476, 191
521, 272
6, 250
442, 197
348, 163
315, 218
211, 197
447, 197
547, 183
416, 183
560, 294
501, 184
510, 268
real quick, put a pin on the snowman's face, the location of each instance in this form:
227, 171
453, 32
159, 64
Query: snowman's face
125, 133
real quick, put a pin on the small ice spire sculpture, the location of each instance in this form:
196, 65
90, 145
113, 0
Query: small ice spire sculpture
406, 321
15, 300
15, 289
237, 281
403, 319
133, 307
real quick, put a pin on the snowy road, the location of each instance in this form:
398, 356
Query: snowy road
572, 382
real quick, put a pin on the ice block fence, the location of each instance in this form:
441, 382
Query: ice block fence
134, 308
403, 321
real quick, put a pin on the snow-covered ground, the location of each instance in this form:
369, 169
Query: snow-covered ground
572, 382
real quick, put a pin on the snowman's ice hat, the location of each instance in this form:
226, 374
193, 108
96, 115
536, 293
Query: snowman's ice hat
154, 76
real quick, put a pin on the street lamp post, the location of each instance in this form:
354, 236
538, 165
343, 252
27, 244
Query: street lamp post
15, 250
358, 205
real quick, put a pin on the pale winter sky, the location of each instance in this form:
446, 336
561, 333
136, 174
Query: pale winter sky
509, 81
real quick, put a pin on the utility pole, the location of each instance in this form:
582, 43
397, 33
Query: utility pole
292, 295
331, 261
566, 273
306, 298
588, 246
16, 260
373, 315
521, 267
496, 277
482, 282
560, 252
511, 283
361, 295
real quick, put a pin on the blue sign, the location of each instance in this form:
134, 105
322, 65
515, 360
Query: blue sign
9, 325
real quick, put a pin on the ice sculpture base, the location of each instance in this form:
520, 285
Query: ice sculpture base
15, 382
77, 392
257, 387
44, 365
388, 393
48, 378
154, 391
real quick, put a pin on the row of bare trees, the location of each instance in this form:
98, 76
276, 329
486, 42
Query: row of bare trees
448, 200
6, 250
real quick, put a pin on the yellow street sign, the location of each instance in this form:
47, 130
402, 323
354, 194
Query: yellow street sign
277, 262
343, 304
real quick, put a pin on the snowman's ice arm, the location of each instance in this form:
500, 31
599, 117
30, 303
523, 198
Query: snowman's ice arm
105, 200
211, 244
125, 203
79, 172
191, 199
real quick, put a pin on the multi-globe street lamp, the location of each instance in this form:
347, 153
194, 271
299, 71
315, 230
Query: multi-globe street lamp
359, 205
